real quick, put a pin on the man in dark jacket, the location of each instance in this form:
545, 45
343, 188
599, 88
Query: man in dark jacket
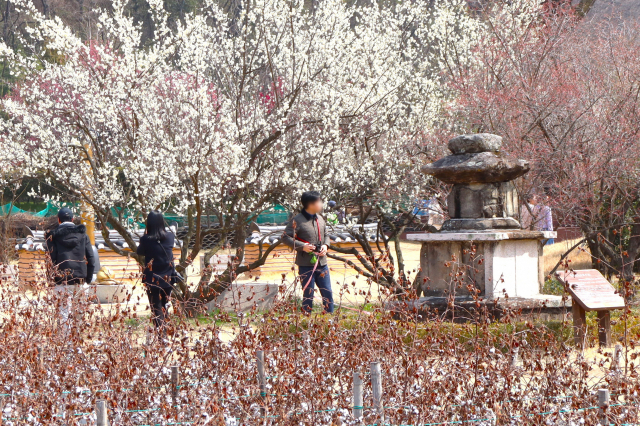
71, 251
307, 234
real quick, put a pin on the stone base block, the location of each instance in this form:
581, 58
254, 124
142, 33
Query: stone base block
244, 297
544, 307
493, 264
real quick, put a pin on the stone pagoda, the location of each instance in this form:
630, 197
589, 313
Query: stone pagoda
483, 238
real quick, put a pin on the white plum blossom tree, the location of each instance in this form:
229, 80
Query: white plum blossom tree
225, 115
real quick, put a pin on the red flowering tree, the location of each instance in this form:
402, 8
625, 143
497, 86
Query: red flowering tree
568, 103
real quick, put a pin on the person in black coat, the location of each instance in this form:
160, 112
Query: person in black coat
71, 252
156, 245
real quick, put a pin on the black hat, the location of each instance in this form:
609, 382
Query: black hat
65, 214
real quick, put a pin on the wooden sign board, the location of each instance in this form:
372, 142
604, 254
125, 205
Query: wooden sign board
591, 290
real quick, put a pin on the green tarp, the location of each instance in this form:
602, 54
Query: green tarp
9, 209
276, 214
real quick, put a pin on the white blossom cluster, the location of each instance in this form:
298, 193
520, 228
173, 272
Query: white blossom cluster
234, 113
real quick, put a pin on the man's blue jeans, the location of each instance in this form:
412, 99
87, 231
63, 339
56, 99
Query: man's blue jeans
321, 279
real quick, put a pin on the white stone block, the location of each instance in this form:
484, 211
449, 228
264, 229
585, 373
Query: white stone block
243, 297
512, 263
98, 293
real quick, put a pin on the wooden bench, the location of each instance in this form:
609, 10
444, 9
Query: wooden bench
590, 291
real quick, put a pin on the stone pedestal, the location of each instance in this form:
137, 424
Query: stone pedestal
494, 262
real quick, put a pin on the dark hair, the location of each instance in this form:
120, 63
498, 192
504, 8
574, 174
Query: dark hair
309, 197
155, 225
65, 214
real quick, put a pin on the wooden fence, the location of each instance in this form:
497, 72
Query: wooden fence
32, 266
281, 260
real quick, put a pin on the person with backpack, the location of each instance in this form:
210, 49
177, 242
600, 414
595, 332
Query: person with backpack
307, 234
156, 245
73, 259
72, 254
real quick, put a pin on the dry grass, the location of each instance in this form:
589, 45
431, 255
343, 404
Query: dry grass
580, 258
434, 372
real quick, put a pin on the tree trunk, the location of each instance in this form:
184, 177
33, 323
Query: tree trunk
5, 27
628, 257
584, 7
594, 248
211, 286
46, 9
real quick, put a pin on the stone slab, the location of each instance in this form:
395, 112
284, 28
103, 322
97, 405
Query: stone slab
543, 307
482, 167
494, 223
98, 293
244, 297
110, 293
483, 236
512, 302
591, 290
